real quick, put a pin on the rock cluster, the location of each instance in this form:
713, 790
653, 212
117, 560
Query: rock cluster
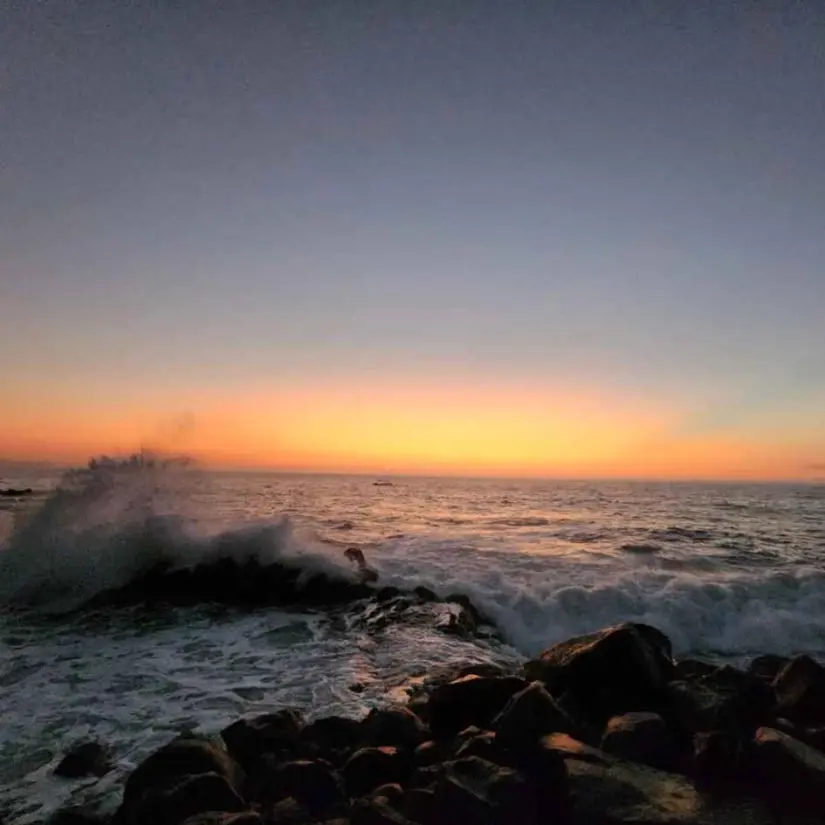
603, 728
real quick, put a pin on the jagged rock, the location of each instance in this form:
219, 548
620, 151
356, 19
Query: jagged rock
529, 715
386, 593
767, 667
376, 812
483, 745
612, 791
288, 812
456, 621
464, 601
470, 700
727, 699
313, 785
687, 669
86, 759
333, 738
368, 768
800, 691
398, 727
430, 753
173, 765
640, 737
789, 773
717, 757
247, 740
615, 670
202, 793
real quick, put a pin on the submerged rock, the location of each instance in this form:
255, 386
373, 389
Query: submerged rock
86, 759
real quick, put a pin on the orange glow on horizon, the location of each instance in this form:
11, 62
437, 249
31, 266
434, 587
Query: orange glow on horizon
418, 429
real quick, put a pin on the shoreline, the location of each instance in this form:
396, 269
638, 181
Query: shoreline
601, 728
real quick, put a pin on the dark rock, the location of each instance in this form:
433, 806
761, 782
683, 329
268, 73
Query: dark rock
687, 669
470, 700
717, 757
464, 601
398, 727
483, 745
608, 790
202, 793
431, 753
616, 670
387, 593
767, 667
313, 785
288, 812
425, 777
247, 740
87, 759
800, 691
529, 715
176, 763
457, 621
727, 699
333, 738
368, 768
392, 792
488, 670
376, 812
640, 737
789, 773
220, 818
425, 594
421, 805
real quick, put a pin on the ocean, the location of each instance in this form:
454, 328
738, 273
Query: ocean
727, 571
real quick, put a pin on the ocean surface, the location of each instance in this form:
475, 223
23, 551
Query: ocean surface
727, 571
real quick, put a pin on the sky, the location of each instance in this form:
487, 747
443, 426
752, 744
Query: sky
568, 237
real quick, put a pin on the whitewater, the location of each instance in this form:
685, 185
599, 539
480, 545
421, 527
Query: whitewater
726, 571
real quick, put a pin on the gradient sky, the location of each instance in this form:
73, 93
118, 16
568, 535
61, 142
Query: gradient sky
545, 238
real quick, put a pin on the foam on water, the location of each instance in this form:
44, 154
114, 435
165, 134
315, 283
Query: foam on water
543, 562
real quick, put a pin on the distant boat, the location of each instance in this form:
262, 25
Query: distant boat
382, 484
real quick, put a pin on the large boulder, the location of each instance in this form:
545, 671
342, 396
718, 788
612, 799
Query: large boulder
640, 737
369, 768
789, 773
529, 715
173, 765
312, 784
726, 699
612, 791
376, 812
800, 691
470, 700
199, 794
767, 667
398, 727
615, 670
247, 740
333, 738
85, 759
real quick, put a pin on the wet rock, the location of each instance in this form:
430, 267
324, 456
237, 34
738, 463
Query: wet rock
727, 699
425, 594
800, 691
86, 759
202, 793
288, 812
605, 789
767, 667
387, 593
175, 764
717, 757
640, 737
75, 816
530, 714
333, 738
470, 700
392, 793
313, 785
431, 753
615, 670
687, 669
464, 601
398, 727
368, 768
420, 805
376, 812
457, 621
483, 745
789, 773
247, 740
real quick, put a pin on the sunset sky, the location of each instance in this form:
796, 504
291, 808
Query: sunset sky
499, 238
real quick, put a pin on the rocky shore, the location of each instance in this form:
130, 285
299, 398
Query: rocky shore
603, 728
